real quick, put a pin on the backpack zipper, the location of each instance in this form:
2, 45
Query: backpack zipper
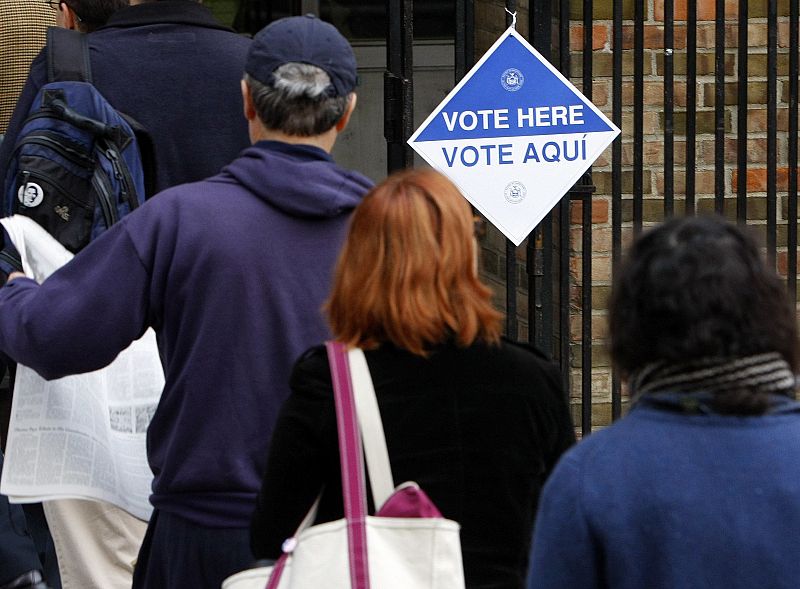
103, 188
72, 155
122, 174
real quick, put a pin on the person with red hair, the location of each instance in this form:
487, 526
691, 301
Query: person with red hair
477, 420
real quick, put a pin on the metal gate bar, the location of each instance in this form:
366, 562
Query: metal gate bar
540, 251
544, 323
638, 115
616, 177
772, 128
691, 103
565, 301
511, 249
719, 108
791, 212
536, 266
464, 38
742, 109
586, 246
398, 83
669, 108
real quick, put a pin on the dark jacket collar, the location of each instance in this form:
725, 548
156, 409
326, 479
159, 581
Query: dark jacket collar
184, 12
302, 150
701, 403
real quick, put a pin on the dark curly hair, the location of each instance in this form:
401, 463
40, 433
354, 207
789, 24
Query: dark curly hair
698, 288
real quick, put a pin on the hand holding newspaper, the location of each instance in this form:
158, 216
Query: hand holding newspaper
81, 436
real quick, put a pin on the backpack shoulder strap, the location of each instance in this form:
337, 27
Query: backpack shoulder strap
67, 56
147, 153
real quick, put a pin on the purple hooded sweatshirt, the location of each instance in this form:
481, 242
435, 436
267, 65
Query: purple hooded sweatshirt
231, 273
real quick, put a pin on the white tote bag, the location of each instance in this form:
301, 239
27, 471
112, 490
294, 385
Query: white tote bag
407, 544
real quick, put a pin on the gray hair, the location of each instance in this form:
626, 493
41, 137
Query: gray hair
297, 102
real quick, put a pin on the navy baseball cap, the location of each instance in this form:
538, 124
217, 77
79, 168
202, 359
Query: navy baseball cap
303, 39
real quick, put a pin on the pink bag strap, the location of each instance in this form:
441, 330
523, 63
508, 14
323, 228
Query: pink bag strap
354, 488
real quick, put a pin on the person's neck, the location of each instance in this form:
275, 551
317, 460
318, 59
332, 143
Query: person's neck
324, 141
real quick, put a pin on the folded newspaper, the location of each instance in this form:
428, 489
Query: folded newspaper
81, 436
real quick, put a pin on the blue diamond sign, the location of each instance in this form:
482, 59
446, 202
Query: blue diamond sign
514, 135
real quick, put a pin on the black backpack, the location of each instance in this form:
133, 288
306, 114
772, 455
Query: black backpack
78, 165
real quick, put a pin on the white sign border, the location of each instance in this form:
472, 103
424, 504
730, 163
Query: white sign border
513, 33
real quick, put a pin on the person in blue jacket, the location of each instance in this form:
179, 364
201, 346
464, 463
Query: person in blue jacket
171, 66
231, 272
698, 486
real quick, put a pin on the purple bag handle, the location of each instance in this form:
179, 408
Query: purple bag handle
354, 489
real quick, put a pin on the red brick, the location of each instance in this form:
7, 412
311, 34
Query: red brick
706, 9
653, 153
603, 161
783, 263
601, 243
706, 35
600, 93
757, 120
599, 211
757, 179
654, 37
651, 123
601, 272
756, 151
783, 34
679, 94
600, 37
654, 94
704, 182
756, 35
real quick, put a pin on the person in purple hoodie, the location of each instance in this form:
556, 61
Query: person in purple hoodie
231, 273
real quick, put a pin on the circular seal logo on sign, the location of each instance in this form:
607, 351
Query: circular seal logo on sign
30, 195
515, 192
512, 79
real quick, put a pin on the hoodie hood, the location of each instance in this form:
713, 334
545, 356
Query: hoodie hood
299, 180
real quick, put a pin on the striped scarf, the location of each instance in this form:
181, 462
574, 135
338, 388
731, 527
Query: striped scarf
766, 373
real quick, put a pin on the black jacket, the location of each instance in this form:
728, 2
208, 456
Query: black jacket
478, 428
176, 70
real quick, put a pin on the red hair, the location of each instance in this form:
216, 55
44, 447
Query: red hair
408, 272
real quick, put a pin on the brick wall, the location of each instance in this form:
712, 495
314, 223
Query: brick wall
490, 23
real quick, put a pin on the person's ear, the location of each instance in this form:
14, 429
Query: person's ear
351, 105
67, 17
247, 102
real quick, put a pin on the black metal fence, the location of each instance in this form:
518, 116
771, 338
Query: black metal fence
557, 296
